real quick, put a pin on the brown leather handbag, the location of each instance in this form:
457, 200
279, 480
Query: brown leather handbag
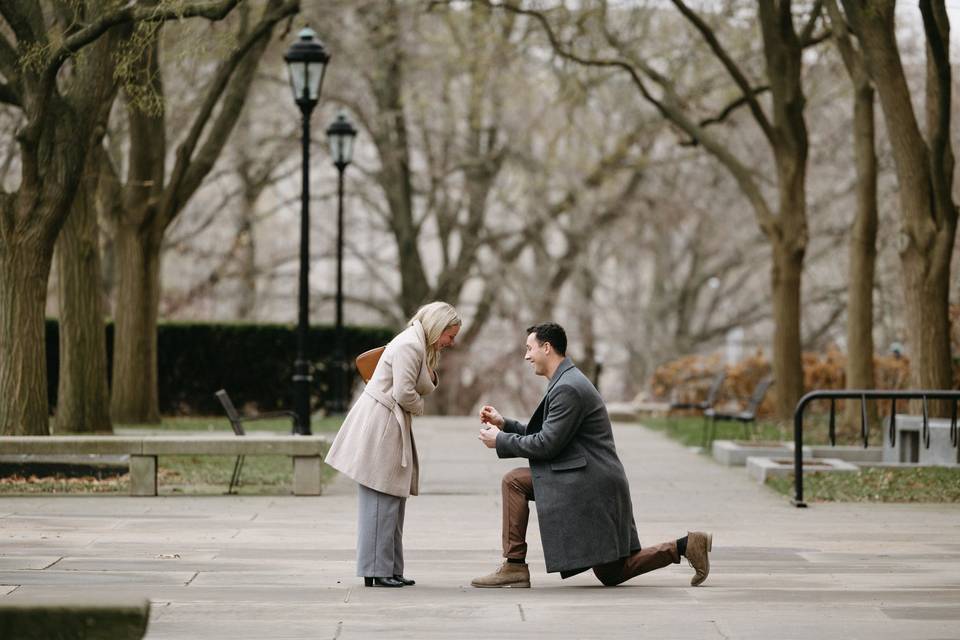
367, 362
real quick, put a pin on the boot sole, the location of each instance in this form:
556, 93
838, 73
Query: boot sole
512, 585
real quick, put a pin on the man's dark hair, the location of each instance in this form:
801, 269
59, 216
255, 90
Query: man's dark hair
552, 333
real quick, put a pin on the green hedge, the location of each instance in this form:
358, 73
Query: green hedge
253, 362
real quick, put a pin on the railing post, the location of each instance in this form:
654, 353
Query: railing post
864, 427
798, 454
893, 422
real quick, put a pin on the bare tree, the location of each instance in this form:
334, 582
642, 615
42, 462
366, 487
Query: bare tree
925, 168
60, 113
785, 224
150, 199
863, 237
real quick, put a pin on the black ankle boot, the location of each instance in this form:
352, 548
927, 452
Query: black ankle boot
382, 582
407, 582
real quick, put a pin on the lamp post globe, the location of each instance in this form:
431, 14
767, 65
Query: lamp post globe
340, 135
307, 65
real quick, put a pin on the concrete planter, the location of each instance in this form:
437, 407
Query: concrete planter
852, 453
734, 453
761, 468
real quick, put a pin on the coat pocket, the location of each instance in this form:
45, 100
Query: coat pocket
569, 464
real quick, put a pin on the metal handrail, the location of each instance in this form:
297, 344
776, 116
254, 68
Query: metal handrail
863, 395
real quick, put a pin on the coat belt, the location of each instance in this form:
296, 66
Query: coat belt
391, 404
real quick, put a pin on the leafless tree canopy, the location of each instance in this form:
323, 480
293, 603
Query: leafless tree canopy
662, 178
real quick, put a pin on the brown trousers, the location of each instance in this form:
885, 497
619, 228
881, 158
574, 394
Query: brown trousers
517, 489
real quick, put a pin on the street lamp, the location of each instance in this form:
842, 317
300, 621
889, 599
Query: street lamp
340, 134
307, 63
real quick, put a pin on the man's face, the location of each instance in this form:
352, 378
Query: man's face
537, 354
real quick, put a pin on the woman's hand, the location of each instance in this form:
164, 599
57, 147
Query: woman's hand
489, 415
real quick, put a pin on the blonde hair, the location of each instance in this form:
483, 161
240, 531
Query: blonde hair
436, 317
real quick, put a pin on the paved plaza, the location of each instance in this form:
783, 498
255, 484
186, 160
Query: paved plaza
283, 567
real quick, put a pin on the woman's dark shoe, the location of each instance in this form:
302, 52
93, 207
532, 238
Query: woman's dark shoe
407, 582
382, 582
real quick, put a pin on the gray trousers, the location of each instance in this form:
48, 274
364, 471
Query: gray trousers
379, 533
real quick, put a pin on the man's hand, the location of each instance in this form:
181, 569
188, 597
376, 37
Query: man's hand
489, 415
488, 436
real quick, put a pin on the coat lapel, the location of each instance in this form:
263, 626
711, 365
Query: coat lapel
535, 423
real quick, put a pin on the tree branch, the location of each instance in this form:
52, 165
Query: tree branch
738, 77
938, 104
237, 73
9, 96
212, 10
733, 106
9, 63
806, 34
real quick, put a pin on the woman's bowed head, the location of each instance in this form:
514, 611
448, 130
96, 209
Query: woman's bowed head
441, 324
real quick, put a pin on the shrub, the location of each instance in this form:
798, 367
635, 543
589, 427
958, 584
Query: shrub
253, 362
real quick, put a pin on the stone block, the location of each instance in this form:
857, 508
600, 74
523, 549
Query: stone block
231, 445
307, 475
909, 446
143, 475
106, 618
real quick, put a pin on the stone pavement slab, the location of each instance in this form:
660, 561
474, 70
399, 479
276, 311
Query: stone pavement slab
238, 567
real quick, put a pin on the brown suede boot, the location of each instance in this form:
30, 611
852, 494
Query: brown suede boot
699, 545
508, 574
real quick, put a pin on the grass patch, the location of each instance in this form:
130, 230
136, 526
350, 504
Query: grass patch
189, 475
688, 430
917, 484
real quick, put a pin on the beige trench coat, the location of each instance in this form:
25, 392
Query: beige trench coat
375, 444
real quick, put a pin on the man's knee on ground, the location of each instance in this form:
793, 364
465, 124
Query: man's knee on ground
608, 577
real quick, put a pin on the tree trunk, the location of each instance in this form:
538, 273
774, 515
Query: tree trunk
863, 256
134, 393
925, 175
787, 364
83, 401
247, 256
24, 270
926, 296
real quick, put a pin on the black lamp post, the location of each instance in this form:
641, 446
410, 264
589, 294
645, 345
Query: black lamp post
340, 134
307, 63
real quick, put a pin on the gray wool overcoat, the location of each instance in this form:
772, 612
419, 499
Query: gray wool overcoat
581, 491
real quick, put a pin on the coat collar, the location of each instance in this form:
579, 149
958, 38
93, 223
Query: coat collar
565, 365
419, 332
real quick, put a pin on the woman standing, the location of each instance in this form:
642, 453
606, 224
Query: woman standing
375, 445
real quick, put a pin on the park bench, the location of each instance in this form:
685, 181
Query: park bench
307, 453
707, 403
236, 422
94, 618
746, 417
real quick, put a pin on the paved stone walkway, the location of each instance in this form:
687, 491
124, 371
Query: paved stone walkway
283, 567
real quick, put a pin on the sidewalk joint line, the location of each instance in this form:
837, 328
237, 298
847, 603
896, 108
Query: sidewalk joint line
336, 634
192, 578
52, 563
523, 617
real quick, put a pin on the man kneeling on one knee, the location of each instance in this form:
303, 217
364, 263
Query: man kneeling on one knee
577, 480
